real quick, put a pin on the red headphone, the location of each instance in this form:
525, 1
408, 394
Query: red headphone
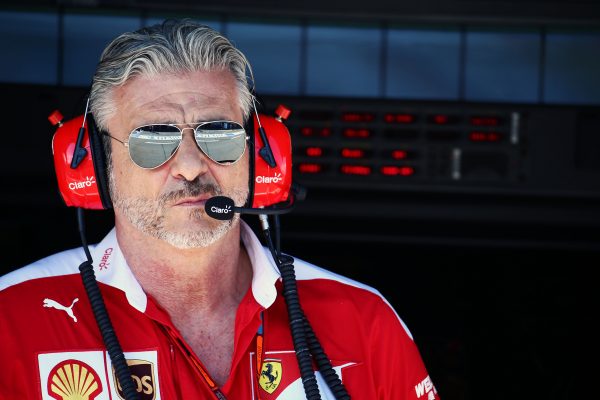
80, 162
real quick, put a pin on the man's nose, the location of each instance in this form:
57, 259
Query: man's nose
189, 162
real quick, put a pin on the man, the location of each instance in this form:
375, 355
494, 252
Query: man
196, 303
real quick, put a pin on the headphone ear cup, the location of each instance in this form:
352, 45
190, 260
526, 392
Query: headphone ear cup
99, 160
271, 185
78, 186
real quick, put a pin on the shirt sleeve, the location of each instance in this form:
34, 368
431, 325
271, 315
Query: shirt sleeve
396, 361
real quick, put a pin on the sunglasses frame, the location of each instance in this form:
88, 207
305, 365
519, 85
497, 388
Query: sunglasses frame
181, 130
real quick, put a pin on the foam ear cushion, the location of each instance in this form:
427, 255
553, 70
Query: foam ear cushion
99, 160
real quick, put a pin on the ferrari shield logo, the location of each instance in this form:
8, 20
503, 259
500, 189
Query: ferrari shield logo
270, 375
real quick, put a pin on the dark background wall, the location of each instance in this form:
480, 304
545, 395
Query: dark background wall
483, 234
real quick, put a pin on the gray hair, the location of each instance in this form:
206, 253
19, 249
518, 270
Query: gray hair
171, 47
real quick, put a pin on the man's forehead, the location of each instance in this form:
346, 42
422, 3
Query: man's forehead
176, 99
198, 86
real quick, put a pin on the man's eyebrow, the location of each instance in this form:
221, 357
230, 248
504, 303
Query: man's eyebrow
168, 119
211, 117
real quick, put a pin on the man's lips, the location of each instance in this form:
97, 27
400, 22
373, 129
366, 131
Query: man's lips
193, 201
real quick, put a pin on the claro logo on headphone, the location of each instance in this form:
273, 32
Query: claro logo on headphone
89, 181
269, 179
219, 210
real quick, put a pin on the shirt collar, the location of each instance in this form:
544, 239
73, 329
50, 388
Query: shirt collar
265, 271
112, 269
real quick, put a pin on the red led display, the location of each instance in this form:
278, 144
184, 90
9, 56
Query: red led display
440, 119
399, 154
306, 131
356, 133
310, 168
477, 136
325, 132
358, 117
485, 121
443, 119
355, 169
399, 118
392, 170
314, 151
353, 153
310, 131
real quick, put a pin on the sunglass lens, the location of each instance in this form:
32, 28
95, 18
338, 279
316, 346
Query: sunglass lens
152, 145
222, 141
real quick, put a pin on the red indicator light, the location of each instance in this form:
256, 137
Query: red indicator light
392, 170
355, 169
310, 168
493, 136
325, 132
309, 131
485, 121
440, 119
477, 136
399, 154
399, 118
353, 153
306, 131
443, 119
357, 117
314, 151
356, 133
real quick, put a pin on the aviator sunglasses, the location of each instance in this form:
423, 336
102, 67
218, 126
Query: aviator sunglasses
150, 146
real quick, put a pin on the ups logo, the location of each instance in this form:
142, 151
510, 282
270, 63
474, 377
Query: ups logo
142, 373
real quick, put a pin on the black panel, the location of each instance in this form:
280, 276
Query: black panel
487, 255
489, 11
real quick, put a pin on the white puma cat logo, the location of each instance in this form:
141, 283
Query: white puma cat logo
58, 306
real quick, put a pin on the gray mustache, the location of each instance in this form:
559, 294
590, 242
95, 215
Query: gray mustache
190, 189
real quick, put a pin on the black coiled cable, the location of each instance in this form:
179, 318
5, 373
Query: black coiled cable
333, 381
103, 320
296, 317
305, 341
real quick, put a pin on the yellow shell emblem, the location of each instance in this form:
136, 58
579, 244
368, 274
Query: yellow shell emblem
270, 375
74, 380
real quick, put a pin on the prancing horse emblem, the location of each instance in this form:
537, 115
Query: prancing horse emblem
270, 375
58, 306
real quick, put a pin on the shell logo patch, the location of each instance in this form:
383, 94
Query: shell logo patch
74, 375
74, 380
270, 375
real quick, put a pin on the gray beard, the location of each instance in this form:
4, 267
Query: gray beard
148, 215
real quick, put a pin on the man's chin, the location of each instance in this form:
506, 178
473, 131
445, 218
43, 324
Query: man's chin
200, 235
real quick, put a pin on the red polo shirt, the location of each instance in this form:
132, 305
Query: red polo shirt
51, 347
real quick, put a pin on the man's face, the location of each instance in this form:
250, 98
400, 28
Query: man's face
168, 202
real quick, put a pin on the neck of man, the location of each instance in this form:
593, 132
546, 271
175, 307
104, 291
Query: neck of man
189, 283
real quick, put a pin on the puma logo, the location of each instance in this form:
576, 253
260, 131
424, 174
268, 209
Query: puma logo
58, 306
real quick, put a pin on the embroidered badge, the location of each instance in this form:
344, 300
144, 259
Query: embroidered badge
74, 380
270, 375
64, 376
54, 304
142, 373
